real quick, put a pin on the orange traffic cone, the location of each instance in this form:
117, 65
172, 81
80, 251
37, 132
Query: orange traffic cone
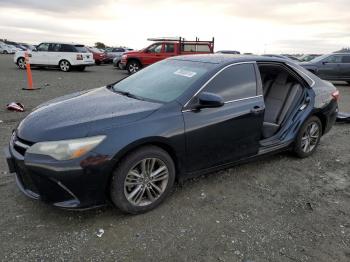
29, 73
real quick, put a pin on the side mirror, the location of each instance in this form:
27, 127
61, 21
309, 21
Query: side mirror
209, 100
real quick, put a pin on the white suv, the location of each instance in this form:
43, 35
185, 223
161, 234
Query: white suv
62, 55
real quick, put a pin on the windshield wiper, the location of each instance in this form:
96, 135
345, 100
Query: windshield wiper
125, 93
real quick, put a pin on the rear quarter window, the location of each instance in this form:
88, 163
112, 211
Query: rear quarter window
67, 48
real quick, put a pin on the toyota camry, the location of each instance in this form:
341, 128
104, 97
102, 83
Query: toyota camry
129, 142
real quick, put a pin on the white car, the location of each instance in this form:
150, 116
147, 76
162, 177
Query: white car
62, 55
7, 49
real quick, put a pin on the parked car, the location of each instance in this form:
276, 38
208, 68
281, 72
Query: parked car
232, 52
99, 57
130, 141
330, 67
7, 49
62, 55
115, 51
118, 58
161, 49
307, 58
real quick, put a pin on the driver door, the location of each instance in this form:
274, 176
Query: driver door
217, 136
153, 54
40, 56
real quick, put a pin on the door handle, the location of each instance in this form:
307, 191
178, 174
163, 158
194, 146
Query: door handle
257, 110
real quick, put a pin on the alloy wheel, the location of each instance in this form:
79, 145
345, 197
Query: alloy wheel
133, 67
146, 182
21, 63
64, 65
310, 137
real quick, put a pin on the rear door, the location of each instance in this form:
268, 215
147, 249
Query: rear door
345, 67
216, 136
329, 68
153, 54
39, 57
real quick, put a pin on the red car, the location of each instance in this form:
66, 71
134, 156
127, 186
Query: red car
99, 57
161, 49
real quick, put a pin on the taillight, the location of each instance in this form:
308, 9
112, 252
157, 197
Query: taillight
79, 57
335, 95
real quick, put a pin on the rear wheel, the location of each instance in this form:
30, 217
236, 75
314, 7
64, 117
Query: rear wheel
21, 63
133, 66
64, 65
142, 180
308, 137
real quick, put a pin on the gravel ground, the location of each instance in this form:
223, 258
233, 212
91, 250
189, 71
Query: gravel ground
277, 209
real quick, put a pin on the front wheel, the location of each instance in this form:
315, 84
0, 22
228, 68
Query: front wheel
21, 63
308, 137
142, 180
133, 66
64, 65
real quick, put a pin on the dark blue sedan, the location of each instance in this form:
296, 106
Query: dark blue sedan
130, 141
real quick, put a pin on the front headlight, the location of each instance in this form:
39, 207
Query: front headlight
66, 149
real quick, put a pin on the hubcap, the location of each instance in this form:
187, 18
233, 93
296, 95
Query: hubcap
146, 182
134, 67
64, 66
310, 137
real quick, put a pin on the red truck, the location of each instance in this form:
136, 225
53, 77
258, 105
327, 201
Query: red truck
161, 49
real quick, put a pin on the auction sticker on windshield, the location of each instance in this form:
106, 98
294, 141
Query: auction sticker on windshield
186, 73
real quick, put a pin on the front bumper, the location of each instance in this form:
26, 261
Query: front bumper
78, 184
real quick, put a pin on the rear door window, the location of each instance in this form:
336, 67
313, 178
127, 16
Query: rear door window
235, 82
54, 47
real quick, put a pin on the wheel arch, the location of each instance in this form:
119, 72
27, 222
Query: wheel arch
134, 59
160, 142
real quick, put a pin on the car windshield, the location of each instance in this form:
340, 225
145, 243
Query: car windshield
319, 58
81, 49
164, 81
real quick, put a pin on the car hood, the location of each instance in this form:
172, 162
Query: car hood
130, 53
82, 114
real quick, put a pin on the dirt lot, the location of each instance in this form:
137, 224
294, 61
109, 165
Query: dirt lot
277, 209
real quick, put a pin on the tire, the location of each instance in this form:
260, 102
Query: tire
65, 66
150, 192
348, 82
308, 137
133, 66
5, 52
21, 63
97, 62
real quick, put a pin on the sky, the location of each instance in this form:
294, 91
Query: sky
256, 26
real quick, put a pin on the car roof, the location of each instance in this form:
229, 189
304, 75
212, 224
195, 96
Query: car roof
63, 43
228, 58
